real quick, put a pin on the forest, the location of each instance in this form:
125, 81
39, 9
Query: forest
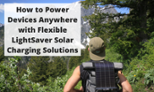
129, 40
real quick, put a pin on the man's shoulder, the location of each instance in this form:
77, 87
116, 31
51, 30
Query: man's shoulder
77, 70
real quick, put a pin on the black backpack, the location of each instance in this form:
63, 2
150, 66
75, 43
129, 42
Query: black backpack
103, 76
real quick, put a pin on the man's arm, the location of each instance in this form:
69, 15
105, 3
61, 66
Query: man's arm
126, 87
73, 80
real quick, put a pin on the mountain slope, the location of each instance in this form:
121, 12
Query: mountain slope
1, 35
85, 27
1, 25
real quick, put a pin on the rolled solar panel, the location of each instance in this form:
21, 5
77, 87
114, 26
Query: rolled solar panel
105, 76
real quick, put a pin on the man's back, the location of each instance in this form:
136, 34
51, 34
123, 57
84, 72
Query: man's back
100, 75
74, 79
96, 53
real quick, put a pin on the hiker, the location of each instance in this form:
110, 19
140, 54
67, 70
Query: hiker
97, 53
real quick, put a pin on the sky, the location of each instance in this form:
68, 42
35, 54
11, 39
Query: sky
2, 2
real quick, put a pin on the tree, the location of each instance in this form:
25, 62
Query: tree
76, 60
57, 68
38, 66
1, 53
86, 54
1, 32
130, 32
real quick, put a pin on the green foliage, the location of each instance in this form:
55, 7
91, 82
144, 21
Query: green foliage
56, 68
139, 86
147, 54
1, 53
10, 82
126, 35
85, 54
135, 76
7, 76
42, 69
112, 56
142, 68
57, 85
77, 60
23, 71
38, 66
123, 41
149, 77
